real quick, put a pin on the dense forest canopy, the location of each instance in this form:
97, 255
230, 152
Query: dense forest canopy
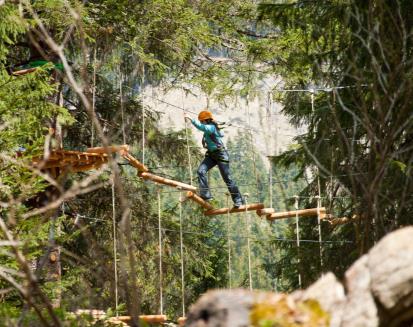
72, 76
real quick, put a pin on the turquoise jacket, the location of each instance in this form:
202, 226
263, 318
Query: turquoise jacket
210, 134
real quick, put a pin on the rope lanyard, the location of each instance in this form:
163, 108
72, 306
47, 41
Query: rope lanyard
115, 252
229, 245
298, 240
187, 141
247, 217
160, 254
182, 254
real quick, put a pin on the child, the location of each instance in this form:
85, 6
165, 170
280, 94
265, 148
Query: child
216, 155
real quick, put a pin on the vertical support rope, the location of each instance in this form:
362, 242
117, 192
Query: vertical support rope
160, 254
115, 252
319, 222
143, 116
229, 244
187, 141
92, 137
252, 146
247, 218
318, 198
182, 254
298, 239
332, 164
121, 106
270, 184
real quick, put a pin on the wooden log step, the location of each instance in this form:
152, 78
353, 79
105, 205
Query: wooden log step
150, 319
166, 181
181, 321
110, 149
265, 211
153, 319
196, 198
301, 213
335, 221
135, 162
248, 207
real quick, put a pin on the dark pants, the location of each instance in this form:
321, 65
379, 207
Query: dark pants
220, 160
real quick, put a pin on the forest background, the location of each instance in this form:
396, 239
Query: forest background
346, 69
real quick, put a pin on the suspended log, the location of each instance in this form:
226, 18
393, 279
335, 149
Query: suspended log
343, 220
196, 198
166, 181
154, 319
181, 321
301, 213
248, 207
135, 162
265, 211
123, 149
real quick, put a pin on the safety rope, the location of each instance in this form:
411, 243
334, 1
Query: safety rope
229, 245
160, 254
247, 218
115, 252
298, 240
181, 241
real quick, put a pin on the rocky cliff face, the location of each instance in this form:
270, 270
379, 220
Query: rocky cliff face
271, 130
377, 291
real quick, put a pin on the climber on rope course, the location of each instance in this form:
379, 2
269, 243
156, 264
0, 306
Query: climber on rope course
216, 155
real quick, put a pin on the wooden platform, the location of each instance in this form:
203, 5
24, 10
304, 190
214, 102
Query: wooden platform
249, 207
69, 161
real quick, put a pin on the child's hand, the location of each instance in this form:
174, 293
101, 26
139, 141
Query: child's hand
186, 117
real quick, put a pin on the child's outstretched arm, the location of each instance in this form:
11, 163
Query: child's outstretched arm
198, 125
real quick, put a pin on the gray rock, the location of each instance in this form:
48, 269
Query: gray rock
360, 309
329, 292
391, 268
221, 308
